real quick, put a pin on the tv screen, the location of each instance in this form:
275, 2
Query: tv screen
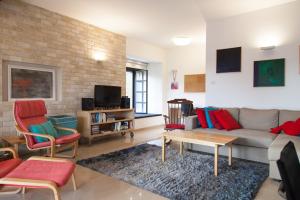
107, 96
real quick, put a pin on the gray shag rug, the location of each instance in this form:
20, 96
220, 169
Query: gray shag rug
190, 176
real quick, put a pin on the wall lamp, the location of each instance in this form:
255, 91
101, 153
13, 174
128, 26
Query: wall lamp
99, 56
267, 48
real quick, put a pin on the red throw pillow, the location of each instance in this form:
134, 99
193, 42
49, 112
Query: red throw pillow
214, 120
226, 120
298, 121
289, 128
201, 118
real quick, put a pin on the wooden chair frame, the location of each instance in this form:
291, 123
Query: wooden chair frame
175, 113
53, 148
31, 182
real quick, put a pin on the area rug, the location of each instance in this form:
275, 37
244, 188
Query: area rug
190, 176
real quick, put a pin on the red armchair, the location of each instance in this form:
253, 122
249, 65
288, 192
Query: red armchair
31, 112
36, 172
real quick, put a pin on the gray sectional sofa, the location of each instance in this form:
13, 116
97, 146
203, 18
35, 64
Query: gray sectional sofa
255, 140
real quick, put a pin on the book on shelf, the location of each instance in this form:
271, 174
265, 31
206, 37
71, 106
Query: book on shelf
95, 129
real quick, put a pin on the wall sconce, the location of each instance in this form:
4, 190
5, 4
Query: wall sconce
267, 48
99, 56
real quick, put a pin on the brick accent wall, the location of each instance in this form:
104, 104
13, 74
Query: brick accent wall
34, 35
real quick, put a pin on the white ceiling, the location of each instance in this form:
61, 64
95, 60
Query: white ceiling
154, 21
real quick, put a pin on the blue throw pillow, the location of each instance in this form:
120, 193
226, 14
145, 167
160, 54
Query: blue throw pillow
46, 128
208, 120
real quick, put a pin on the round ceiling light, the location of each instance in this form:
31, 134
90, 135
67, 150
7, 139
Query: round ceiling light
182, 40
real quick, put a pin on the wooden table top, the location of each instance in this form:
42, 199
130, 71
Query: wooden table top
209, 139
14, 139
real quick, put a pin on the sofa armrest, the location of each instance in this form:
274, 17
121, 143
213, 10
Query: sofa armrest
190, 122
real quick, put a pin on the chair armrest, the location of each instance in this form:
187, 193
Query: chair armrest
166, 118
11, 150
50, 137
190, 122
66, 129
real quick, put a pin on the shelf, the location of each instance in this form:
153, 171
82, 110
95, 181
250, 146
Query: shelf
111, 110
112, 122
111, 132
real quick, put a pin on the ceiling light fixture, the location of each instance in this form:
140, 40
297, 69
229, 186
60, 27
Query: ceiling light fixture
182, 40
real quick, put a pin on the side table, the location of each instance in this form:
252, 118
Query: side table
15, 141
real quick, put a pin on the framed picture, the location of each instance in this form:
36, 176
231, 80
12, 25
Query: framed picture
229, 60
269, 73
174, 83
26, 82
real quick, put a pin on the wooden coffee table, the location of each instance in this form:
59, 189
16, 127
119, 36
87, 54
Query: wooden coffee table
207, 139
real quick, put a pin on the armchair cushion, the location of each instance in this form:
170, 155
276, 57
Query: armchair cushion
61, 140
29, 109
8, 165
46, 128
175, 126
58, 172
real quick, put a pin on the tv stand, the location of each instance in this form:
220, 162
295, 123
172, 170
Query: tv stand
102, 122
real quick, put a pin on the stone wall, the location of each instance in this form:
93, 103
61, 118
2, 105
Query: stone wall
34, 35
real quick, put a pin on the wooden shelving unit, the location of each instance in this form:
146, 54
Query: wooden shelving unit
99, 123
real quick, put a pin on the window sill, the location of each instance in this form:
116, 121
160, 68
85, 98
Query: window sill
140, 116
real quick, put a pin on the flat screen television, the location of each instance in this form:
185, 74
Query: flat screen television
107, 96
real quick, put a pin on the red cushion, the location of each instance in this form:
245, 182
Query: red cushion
175, 126
214, 120
8, 165
298, 121
58, 172
201, 118
289, 128
66, 139
226, 120
31, 108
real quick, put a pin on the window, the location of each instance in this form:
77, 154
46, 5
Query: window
141, 91
136, 89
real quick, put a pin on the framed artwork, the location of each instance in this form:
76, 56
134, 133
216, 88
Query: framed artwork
269, 73
26, 82
174, 83
229, 60
194, 83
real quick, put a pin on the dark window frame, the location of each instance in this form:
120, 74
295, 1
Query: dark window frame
134, 70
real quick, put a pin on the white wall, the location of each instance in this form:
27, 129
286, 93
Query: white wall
186, 60
279, 25
155, 56
155, 88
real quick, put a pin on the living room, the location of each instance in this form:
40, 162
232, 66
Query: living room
118, 68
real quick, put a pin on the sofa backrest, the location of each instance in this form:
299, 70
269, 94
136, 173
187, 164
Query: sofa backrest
258, 119
288, 115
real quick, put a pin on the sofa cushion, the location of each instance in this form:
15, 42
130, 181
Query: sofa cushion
234, 112
258, 119
246, 137
278, 144
226, 120
202, 118
288, 115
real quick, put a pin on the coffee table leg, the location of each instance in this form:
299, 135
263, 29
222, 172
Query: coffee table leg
163, 153
216, 159
181, 148
229, 154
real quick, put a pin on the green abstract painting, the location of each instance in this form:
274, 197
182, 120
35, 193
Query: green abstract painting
269, 73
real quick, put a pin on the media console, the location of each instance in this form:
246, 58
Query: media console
99, 123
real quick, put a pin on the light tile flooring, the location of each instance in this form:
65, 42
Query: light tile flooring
93, 185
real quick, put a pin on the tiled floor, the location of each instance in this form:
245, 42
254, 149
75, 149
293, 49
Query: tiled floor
93, 185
